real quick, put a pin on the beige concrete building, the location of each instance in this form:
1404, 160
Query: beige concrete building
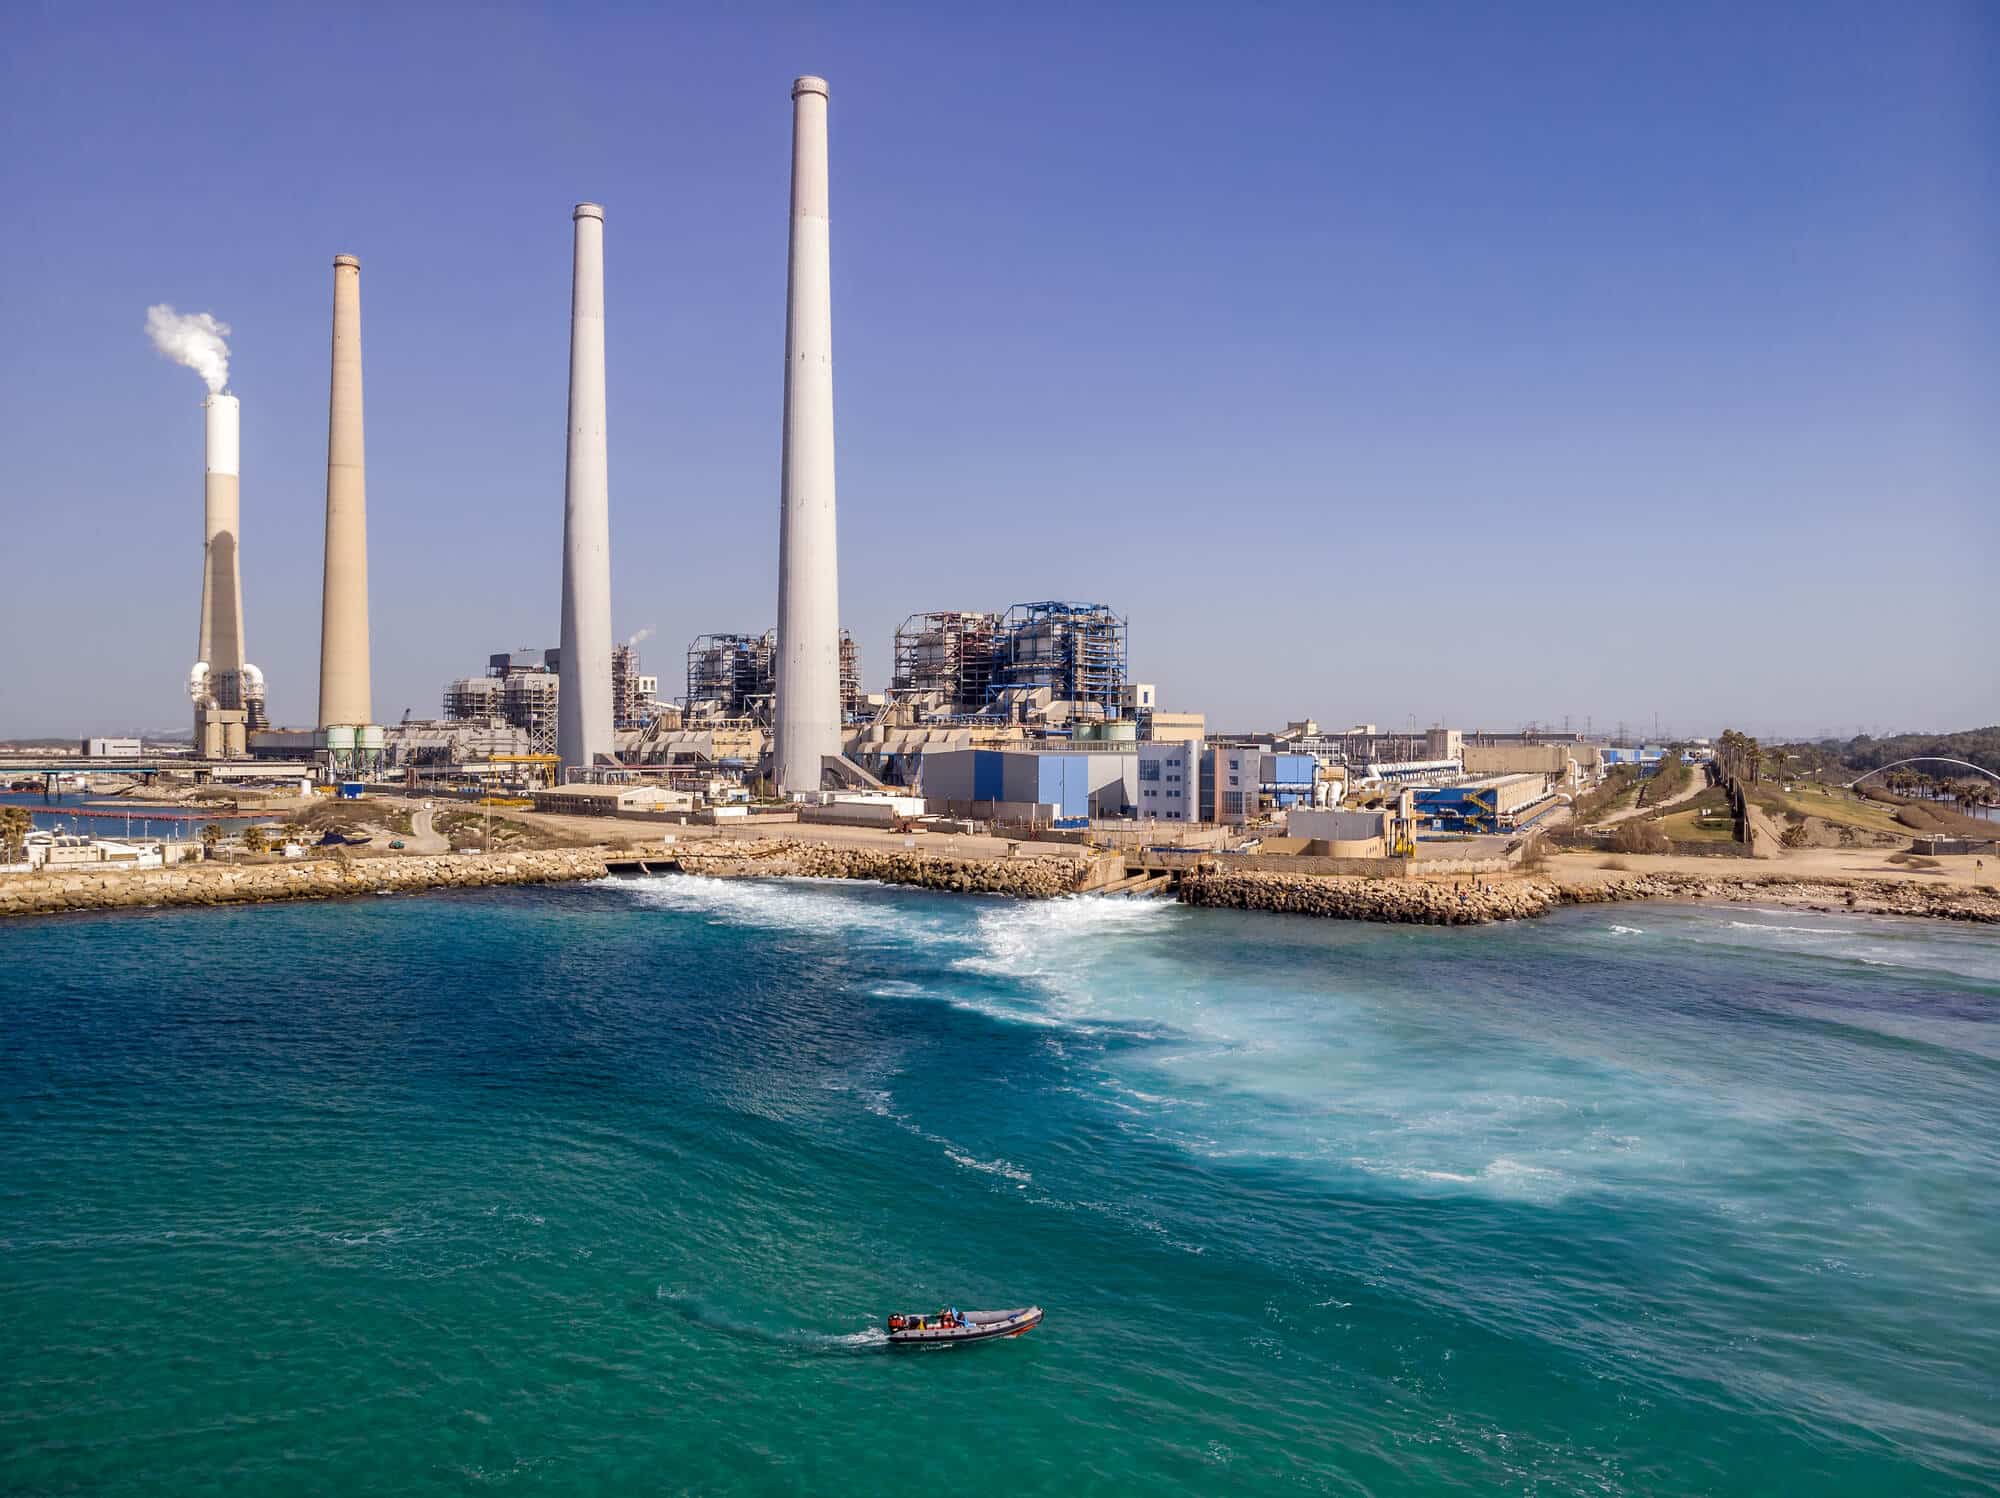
1570, 762
611, 800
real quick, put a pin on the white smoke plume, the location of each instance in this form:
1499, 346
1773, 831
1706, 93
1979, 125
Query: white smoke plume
196, 339
644, 634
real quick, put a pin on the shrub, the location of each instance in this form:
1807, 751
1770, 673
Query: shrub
1637, 836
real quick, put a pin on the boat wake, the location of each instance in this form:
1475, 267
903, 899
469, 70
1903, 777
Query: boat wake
700, 1313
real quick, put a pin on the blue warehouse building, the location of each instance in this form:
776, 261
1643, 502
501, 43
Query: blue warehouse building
1013, 783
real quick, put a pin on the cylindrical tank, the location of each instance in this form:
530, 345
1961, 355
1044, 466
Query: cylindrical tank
339, 737
1119, 731
371, 737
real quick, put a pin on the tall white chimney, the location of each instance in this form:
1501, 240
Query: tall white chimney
583, 705
344, 697
221, 646
808, 708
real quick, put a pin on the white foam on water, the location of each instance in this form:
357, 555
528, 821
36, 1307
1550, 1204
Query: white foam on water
809, 906
879, 1102
1799, 930
1005, 1168
1329, 1062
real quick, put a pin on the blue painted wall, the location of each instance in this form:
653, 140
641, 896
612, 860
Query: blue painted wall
987, 765
1064, 781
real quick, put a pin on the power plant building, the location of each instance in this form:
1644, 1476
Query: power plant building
523, 688
1073, 652
735, 676
946, 657
634, 695
1050, 661
1032, 784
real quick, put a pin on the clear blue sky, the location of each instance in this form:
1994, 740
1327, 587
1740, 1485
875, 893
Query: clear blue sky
1475, 363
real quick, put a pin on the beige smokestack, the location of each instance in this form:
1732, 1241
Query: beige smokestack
343, 630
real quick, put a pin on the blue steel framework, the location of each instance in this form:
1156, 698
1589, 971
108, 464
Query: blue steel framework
1076, 650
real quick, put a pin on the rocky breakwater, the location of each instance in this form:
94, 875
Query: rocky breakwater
1028, 878
56, 891
1828, 896
1417, 902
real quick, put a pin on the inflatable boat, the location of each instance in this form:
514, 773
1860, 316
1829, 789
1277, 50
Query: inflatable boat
949, 1328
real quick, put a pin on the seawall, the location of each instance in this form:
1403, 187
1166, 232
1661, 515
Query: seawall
1403, 901
1027, 878
1415, 902
1851, 896
86, 888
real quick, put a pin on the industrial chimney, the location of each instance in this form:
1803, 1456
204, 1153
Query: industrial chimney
583, 704
345, 713
808, 685
219, 678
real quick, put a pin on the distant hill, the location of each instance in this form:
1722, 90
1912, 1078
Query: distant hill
1978, 746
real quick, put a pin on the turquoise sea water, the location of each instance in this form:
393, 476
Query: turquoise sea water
602, 1189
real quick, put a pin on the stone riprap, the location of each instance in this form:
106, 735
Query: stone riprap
1413, 901
1853, 896
85, 888
1027, 877
1403, 901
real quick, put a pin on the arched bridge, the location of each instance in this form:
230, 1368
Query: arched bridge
1924, 759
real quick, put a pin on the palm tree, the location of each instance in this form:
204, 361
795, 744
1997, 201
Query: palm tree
253, 840
210, 836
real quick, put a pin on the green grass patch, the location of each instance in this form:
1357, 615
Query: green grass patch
1841, 808
1699, 827
1666, 782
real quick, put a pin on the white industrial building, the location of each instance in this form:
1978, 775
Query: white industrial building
1169, 781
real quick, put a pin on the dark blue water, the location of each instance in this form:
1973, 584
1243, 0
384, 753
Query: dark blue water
91, 814
604, 1189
